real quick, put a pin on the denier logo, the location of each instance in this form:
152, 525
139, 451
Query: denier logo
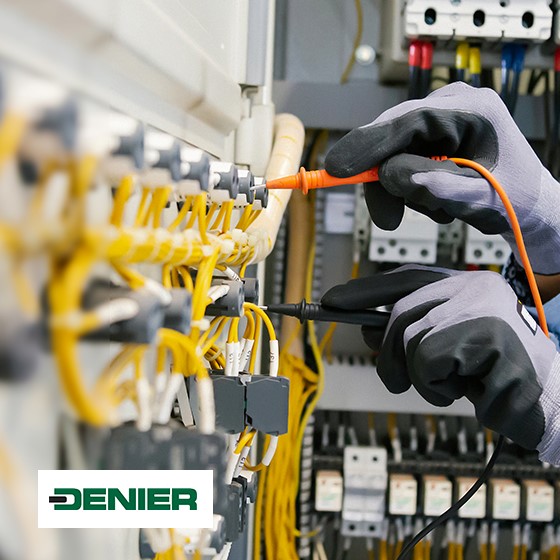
156, 499
123, 499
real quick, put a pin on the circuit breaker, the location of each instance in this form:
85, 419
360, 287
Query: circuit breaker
365, 485
415, 240
498, 20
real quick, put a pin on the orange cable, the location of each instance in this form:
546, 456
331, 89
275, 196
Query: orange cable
516, 232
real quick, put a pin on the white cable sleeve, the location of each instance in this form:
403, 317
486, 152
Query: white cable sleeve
217, 292
231, 466
185, 406
246, 355
205, 388
168, 398
159, 291
274, 358
119, 309
494, 533
232, 359
160, 383
159, 539
241, 463
269, 455
143, 396
231, 274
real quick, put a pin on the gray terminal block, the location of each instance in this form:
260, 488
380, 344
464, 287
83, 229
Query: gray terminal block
169, 447
267, 403
132, 146
236, 511
140, 329
20, 347
246, 193
195, 171
261, 198
230, 305
251, 288
178, 313
258, 401
229, 397
218, 538
226, 182
62, 122
170, 159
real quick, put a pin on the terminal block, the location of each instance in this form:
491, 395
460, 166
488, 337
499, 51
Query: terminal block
178, 313
246, 193
225, 180
20, 346
259, 401
140, 329
163, 159
169, 447
128, 155
261, 194
230, 305
195, 173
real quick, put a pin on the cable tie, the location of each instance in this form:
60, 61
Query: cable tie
202, 324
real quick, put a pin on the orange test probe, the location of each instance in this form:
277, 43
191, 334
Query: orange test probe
307, 180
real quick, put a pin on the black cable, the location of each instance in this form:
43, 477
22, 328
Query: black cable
452, 511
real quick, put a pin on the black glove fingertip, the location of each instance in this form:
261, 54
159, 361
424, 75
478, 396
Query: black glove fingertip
386, 210
373, 337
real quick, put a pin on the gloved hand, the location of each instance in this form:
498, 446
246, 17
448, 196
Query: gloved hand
453, 334
461, 121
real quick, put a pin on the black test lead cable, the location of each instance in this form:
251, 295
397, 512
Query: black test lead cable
454, 509
305, 311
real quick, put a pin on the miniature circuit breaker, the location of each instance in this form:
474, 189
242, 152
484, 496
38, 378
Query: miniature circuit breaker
485, 249
415, 240
496, 20
365, 486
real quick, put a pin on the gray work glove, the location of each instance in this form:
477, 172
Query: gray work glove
464, 334
456, 120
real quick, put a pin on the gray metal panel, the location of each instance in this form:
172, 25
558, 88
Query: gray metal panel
256, 44
343, 107
334, 106
357, 387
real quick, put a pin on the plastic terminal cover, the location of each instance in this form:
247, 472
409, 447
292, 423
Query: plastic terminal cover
259, 401
141, 329
178, 313
132, 146
236, 513
230, 305
169, 447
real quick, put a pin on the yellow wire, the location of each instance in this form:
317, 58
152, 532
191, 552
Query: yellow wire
357, 41
124, 191
181, 215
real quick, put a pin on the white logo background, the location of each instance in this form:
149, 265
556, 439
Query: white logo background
201, 481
